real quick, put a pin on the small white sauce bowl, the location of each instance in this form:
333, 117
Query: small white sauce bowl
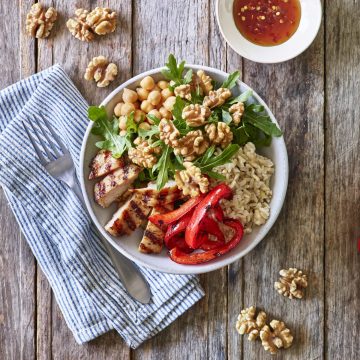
310, 22
128, 245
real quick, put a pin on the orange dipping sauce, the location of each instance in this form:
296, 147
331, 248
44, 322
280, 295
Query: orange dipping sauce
267, 22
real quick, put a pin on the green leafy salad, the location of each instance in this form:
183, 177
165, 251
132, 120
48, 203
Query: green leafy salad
188, 95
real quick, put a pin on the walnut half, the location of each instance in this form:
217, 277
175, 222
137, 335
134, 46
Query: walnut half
40, 22
100, 70
85, 24
216, 98
291, 284
191, 181
144, 154
276, 336
247, 323
219, 134
195, 115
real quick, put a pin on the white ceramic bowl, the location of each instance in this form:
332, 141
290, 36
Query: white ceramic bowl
161, 262
305, 34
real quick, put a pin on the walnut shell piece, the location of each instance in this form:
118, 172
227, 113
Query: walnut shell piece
237, 111
195, 115
100, 70
276, 336
40, 22
216, 98
191, 181
191, 145
291, 284
144, 154
219, 134
184, 91
102, 20
78, 26
248, 323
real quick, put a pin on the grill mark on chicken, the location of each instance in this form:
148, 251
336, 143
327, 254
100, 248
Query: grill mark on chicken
126, 173
137, 210
143, 248
129, 221
153, 237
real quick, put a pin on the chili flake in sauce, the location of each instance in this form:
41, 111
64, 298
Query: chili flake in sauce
267, 22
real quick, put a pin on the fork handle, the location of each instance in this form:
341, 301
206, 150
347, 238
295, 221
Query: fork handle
129, 274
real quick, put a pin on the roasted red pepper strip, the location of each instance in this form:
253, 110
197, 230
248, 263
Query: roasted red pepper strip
218, 213
178, 241
221, 191
181, 257
178, 227
210, 226
172, 216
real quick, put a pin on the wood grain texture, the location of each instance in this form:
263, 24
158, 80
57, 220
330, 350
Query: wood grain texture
342, 261
316, 103
17, 265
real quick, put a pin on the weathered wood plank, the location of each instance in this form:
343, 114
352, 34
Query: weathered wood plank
342, 262
294, 91
17, 265
183, 28
74, 56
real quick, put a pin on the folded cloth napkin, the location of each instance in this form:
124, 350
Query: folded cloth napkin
58, 229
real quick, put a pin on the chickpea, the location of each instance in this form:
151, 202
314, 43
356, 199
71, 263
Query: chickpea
147, 83
144, 126
165, 113
127, 108
146, 106
166, 93
139, 116
117, 109
162, 84
142, 93
156, 88
122, 122
129, 96
154, 97
122, 132
169, 103
154, 112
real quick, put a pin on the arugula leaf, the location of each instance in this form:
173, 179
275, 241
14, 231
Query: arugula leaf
108, 130
230, 82
162, 166
207, 155
173, 71
154, 130
196, 97
131, 125
188, 76
215, 175
247, 132
178, 108
221, 159
178, 121
241, 98
226, 117
153, 118
262, 122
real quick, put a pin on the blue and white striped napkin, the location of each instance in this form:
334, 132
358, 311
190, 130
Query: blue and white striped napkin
58, 229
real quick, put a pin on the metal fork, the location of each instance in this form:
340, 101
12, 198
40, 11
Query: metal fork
62, 168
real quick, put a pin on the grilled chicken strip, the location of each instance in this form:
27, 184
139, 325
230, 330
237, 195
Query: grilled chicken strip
128, 217
115, 184
103, 164
153, 239
152, 197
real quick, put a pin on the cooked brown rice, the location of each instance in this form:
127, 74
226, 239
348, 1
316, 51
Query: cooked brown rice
249, 176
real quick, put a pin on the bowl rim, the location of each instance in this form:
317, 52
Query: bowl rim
280, 60
201, 268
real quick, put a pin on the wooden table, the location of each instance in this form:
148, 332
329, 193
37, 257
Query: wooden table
315, 97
